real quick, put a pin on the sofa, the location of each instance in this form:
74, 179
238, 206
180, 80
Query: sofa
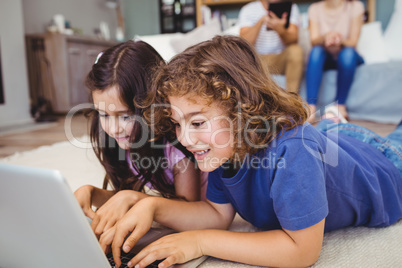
376, 92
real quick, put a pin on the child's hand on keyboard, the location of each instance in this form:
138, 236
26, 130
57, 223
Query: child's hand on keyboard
137, 221
174, 248
114, 209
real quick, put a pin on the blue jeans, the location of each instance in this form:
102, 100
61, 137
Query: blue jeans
320, 60
390, 146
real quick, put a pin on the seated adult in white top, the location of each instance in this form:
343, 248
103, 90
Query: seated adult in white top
278, 46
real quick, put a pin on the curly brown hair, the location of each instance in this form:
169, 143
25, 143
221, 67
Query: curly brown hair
227, 71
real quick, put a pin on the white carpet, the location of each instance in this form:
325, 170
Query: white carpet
350, 247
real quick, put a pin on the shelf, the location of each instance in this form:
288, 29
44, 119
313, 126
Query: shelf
200, 3
177, 16
223, 2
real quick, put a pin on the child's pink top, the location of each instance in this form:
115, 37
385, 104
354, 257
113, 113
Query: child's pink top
172, 156
337, 19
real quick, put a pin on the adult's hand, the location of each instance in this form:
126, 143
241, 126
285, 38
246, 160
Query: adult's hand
274, 22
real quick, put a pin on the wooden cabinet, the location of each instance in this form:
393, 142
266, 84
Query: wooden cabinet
57, 67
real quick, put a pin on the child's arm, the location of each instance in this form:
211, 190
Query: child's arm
111, 205
187, 181
269, 248
175, 214
277, 248
88, 196
114, 209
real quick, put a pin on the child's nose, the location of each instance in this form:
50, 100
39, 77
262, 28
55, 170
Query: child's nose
115, 125
187, 137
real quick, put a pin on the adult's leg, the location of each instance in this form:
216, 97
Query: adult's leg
294, 67
289, 62
315, 69
273, 63
347, 62
314, 72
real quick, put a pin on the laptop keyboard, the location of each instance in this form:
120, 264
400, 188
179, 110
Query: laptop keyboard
126, 257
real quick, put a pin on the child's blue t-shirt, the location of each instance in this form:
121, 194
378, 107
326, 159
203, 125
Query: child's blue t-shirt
305, 176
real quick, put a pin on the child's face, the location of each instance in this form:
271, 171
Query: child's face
204, 130
115, 117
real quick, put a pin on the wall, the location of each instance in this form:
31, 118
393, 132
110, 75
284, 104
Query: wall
141, 17
384, 9
15, 110
20, 17
83, 14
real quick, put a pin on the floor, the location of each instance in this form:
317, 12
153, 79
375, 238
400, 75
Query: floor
23, 139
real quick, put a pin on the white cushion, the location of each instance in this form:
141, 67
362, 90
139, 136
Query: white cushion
199, 34
393, 34
161, 43
234, 30
371, 45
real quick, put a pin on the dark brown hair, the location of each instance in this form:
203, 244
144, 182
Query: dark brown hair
128, 66
227, 71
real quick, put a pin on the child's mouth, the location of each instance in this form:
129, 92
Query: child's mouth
201, 154
121, 138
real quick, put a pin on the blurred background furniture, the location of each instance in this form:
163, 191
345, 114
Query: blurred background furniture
235, 5
58, 65
375, 94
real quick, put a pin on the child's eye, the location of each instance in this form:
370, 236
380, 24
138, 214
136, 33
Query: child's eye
127, 117
197, 123
103, 115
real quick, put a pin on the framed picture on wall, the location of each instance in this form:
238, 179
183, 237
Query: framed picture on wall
1, 82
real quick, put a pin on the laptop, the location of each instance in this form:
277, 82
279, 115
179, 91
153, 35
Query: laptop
42, 224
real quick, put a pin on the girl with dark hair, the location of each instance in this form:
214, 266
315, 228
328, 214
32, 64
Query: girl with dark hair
266, 163
123, 143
